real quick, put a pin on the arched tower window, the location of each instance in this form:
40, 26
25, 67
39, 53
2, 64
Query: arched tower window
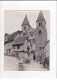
40, 32
24, 27
40, 23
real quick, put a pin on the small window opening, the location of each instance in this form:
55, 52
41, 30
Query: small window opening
39, 31
18, 47
40, 24
31, 34
24, 27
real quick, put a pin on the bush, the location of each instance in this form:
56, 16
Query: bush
46, 63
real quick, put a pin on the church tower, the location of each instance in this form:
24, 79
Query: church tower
41, 33
25, 25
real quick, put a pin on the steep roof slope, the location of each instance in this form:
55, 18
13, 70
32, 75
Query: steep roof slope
12, 36
40, 17
25, 21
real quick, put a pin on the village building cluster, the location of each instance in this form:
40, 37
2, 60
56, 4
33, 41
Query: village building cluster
28, 41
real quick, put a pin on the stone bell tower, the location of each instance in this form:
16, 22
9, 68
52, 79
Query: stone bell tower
25, 25
41, 33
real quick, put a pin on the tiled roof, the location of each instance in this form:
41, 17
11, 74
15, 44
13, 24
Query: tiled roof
40, 17
19, 40
25, 21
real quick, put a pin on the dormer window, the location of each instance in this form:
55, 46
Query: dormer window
40, 24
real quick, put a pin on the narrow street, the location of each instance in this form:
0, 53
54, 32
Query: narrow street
11, 64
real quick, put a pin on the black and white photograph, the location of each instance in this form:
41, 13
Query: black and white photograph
26, 40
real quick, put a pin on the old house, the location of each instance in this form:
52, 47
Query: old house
19, 47
8, 42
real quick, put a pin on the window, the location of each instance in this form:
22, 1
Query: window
17, 54
31, 45
23, 33
40, 48
40, 24
39, 31
33, 40
24, 27
28, 48
6, 39
13, 47
9, 50
29, 40
31, 34
18, 46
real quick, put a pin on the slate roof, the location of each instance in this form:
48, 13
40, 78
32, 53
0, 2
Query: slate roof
40, 17
19, 40
25, 21
12, 36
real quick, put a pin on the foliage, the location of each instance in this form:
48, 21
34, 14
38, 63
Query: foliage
46, 63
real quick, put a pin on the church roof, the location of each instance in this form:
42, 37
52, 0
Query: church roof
25, 21
19, 40
40, 17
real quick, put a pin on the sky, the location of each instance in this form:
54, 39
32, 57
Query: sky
14, 18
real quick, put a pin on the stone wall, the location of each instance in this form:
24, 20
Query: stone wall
8, 50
